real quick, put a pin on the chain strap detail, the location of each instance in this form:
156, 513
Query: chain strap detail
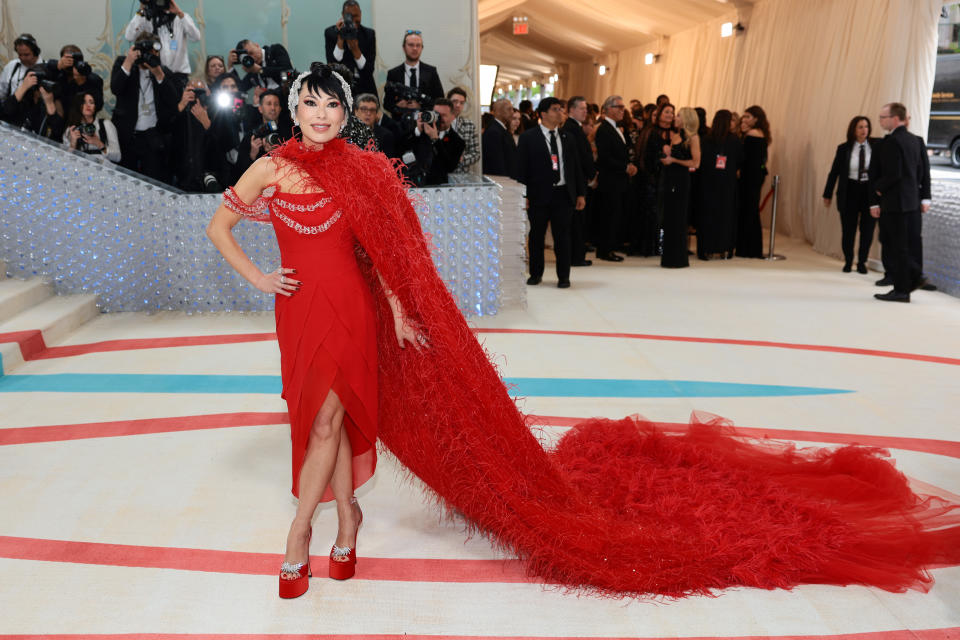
305, 230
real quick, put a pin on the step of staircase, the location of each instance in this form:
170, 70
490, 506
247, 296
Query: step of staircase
17, 296
43, 324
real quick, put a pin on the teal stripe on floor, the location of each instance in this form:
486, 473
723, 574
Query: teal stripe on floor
530, 387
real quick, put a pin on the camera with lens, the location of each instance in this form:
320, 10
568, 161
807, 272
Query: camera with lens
245, 59
227, 101
202, 96
82, 67
153, 9
287, 77
269, 132
43, 78
406, 116
210, 183
149, 52
87, 128
349, 29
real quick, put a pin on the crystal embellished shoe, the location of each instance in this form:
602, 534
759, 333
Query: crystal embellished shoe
296, 586
343, 560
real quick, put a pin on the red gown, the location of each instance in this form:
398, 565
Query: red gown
617, 507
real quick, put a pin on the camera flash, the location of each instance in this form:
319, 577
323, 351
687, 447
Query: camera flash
224, 98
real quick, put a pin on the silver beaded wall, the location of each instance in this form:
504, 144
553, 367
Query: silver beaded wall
941, 237
89, 227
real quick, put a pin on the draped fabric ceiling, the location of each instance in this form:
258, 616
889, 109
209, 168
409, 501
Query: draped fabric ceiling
570, 31
811, 64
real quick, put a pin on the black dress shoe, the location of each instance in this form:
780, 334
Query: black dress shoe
703, 256
892, 296
861, 268
885, 281
610, 257
927, 286
532, 280
924, 284
563, 284
584, 263
847, 268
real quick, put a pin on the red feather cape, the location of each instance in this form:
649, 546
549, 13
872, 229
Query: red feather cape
618, 507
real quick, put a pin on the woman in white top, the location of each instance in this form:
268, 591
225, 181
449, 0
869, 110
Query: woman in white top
88, 133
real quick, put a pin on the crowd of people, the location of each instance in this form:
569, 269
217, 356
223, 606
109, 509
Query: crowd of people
199, 130
651, 175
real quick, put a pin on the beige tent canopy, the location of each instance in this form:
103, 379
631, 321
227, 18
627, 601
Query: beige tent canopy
811, 64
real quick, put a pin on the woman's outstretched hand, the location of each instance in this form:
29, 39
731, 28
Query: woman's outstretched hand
406, 332
278, 282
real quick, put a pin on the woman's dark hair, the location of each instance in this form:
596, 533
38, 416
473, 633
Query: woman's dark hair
762, 123
720, 127
702, 115
321, 78
75, 113
218, 82
660, 110
852, 128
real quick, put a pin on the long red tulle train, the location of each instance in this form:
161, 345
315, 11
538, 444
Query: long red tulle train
617, 507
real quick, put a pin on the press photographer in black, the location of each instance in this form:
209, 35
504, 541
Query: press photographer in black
145, 109
268, 133
232, 121
89, 134
28, 55
264, 66
174, 28
354, 46
34, 106
428, 146
188, 140
367, 110
74, 75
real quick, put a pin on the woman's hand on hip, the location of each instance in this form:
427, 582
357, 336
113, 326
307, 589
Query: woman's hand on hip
278, 282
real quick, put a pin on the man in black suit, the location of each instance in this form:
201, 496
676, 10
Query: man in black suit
548, 163
362, 44
499, 151
850, 175
146, 106
903, 187
413, 72
614, 171
573, 127
269, 62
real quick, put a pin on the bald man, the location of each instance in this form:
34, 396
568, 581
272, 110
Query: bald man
498, 148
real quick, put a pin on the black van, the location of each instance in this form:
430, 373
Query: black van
944, 132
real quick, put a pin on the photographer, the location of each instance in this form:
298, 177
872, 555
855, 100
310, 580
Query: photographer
145, 108
188, 142
367, 110
465, 129
74, 75
33, 106
353, 45
264, 65
233, 120
269, 131
413, 73
429, 147
28, 55
88, 133
173, 28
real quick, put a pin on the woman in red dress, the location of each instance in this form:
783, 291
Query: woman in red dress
620, 508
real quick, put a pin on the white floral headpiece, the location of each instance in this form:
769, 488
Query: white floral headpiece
294, 98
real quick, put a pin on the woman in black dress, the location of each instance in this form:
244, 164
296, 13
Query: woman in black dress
752, 174
681, 156
650, 146
722, 154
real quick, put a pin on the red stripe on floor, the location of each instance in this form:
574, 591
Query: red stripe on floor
132, 344
212, 560
56, 433
191, 341
742, 343
899, 634
31, 342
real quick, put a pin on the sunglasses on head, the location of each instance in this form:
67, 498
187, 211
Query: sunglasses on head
413, 32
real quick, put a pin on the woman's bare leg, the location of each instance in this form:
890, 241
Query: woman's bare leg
319, 463
348, 515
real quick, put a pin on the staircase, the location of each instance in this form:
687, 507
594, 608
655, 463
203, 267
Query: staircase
32, 317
